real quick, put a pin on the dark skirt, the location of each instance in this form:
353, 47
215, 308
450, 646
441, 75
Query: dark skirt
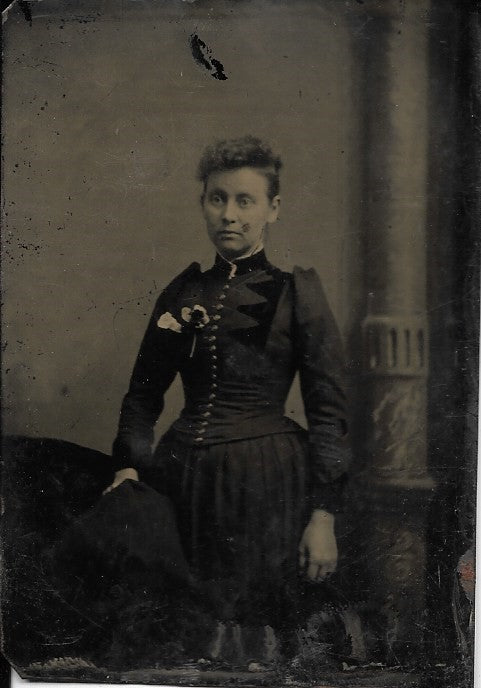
240, 510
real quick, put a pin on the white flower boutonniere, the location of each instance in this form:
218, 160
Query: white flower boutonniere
196, 316
168, 322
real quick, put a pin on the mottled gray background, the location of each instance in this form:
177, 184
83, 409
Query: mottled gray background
105, 116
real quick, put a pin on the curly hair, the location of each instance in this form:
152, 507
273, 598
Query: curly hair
247, 151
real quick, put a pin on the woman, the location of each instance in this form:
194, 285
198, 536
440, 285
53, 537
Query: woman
254, 494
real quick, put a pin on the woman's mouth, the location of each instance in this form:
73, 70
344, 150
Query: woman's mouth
224, 234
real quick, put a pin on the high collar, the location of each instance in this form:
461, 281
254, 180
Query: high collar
258, 261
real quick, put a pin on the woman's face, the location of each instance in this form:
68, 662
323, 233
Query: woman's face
237, 208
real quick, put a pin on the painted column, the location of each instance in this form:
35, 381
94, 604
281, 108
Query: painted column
396, 486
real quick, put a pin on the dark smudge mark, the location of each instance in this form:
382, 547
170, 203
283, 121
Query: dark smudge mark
196, 46
202, 54
219, 74
27, 12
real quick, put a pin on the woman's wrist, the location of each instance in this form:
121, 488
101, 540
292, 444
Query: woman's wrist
321, 517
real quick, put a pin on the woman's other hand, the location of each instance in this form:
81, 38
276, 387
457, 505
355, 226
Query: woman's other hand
318, 547
120, 476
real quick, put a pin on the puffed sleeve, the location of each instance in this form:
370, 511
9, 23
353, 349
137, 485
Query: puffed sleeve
155, 368
320, 362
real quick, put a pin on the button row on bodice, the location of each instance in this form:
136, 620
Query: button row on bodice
212, 338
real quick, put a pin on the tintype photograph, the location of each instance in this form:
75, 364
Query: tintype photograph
240, 341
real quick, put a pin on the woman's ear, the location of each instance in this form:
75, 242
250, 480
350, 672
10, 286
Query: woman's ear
275, 208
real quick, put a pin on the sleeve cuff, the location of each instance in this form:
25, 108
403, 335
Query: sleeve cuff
329, 496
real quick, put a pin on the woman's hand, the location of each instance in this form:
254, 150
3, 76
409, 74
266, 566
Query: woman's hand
318, 547
120, 476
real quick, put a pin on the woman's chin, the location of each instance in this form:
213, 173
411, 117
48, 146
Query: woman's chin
229, 249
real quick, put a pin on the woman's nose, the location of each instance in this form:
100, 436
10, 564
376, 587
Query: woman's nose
230, 212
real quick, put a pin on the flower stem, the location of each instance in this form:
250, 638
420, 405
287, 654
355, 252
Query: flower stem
193, 345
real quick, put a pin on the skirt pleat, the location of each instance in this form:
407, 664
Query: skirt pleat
240, 509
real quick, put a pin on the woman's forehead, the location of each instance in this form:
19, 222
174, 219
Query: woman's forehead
242, 179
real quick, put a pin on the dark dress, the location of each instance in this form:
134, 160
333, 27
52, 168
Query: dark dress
243, 478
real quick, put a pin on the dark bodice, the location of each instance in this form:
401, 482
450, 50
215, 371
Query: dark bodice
237, 379
260, 326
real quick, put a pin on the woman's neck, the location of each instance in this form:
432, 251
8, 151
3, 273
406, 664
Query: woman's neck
258, 247
255, 260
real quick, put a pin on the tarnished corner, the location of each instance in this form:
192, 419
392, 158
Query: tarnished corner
25, 8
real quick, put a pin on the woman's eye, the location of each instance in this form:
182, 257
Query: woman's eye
245, 202
216, 200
